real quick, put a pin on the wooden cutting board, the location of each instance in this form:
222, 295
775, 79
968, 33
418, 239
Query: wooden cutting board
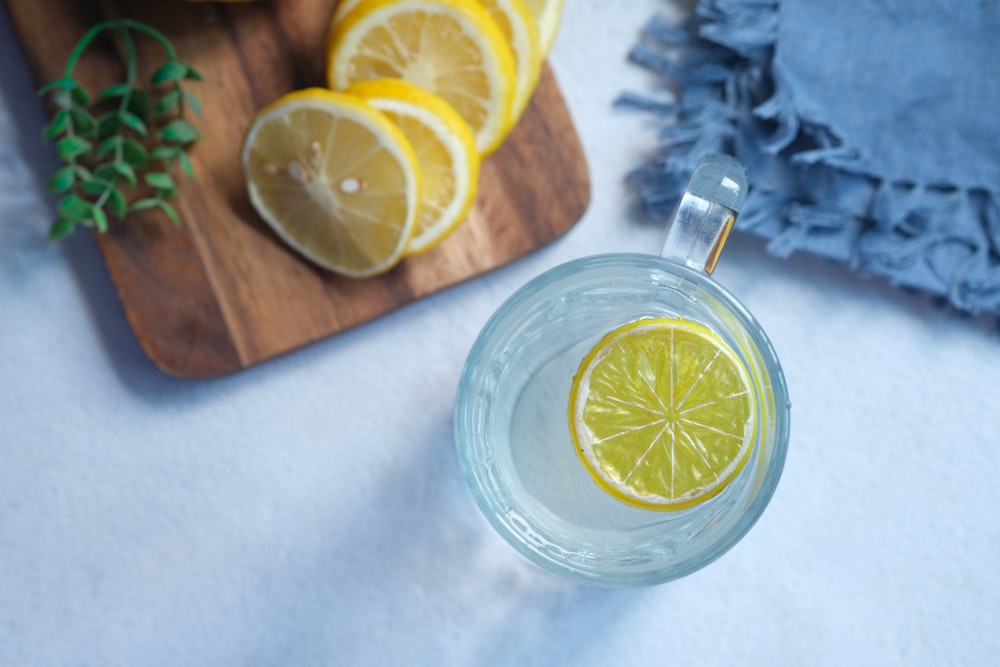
222, 292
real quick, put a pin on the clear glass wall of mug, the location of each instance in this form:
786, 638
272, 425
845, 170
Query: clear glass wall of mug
511, 426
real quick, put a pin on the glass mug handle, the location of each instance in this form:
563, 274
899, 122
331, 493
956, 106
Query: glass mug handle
706, 212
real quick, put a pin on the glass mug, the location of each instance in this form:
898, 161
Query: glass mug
511, 425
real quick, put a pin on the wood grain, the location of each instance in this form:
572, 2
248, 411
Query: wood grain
222, 292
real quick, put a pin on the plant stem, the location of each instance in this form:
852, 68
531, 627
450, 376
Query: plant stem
130, 57
88, 192
123, 25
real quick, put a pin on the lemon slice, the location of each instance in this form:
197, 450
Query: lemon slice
445, 148
520, 32
344, 8
517, 24
335, 179
548, 14
451, 48
662, 414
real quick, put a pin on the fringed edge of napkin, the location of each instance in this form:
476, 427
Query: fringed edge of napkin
938, 238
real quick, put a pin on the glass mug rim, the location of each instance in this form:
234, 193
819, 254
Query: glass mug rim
473, 469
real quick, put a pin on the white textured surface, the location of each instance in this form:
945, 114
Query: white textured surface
310, 511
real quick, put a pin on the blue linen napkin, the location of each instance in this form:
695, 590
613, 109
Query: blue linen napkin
871, 130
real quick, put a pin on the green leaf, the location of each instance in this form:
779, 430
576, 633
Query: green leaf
167, 102
192, 102
72, 147
117, 90
65, 83
61, 228
80, 96
126, 172
109, 145
135, 154
74, 207
84, 122
179, 131
107, 124
165, 152
173, 70
171, 213
100, 219
117, 203
58, 124
138, 104
192, 74
185, 163
143, 204
96, 186
133, 122
62, 99
62, 180
159, 180
107, 173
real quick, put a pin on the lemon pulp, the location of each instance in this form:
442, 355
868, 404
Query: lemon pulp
335, 179
662, 414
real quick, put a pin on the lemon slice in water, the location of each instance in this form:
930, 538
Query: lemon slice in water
661, 413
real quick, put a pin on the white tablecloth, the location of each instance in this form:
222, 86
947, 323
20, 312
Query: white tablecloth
310, 511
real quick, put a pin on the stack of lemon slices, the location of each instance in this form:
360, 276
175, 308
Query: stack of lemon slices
385, 162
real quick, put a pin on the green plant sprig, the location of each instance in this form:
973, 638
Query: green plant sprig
134, 142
